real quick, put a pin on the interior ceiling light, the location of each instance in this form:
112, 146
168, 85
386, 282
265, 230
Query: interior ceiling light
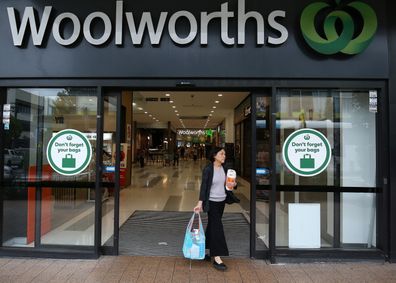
214, 107
212, 111
145, 112
171, 101
167, 94
140, 108
220, 94
134, 104
150, 115
210, 115
176, 111
217, 101
177, 114
173, 106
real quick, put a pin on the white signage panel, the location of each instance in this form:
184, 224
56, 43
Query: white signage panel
304, 225
69, 152
306, 152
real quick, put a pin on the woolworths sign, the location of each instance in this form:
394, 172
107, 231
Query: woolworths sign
137, 30
343, 39
328, 26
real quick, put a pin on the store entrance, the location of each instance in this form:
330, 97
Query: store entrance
165, 141
163, 188
133, 169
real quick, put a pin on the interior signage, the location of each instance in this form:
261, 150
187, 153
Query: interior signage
40, 26
189, 132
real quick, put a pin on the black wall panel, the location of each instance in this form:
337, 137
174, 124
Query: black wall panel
292, 59
392, 127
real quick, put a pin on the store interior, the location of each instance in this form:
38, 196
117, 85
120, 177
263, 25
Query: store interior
164, 139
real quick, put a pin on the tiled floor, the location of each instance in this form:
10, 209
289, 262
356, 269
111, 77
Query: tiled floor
172, 269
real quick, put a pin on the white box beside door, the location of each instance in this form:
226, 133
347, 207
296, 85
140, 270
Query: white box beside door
304, 225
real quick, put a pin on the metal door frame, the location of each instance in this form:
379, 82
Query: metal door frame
106, 250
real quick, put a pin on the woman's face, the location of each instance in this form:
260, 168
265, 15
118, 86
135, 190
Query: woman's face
220, 156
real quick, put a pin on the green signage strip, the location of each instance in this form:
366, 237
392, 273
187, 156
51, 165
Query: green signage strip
306, 152
69, 152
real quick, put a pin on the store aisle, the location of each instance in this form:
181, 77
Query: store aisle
154, 188
161, 196
169, 188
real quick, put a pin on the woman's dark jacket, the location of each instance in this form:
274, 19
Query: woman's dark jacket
206, 184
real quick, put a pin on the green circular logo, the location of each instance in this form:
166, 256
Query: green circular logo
338, 41
306, 152
69, 152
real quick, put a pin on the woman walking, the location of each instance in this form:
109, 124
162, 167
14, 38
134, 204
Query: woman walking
212, 199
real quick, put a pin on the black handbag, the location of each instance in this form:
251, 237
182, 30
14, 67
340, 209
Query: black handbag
231, 198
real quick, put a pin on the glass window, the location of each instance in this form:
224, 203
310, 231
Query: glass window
67, 214
109, 165
358, 220
344, 118
298, 109
304, 220
263, 169
357, 156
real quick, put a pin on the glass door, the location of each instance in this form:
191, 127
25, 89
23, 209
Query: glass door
109, 183
262, 170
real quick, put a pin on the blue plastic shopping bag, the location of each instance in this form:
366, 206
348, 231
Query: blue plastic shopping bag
194, 239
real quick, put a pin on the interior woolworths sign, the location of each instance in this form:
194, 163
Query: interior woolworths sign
306, 152
69, 152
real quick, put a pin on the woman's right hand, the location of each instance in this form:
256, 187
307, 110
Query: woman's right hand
198, 208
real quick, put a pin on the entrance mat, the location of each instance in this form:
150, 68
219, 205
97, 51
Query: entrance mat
161, 233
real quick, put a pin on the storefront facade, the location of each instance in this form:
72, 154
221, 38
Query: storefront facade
65, 65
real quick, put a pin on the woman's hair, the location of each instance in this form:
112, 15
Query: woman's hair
213, 152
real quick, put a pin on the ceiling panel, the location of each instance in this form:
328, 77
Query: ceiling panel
194, 107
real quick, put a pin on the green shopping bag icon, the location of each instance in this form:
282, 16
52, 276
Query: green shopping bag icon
307, 162
68, 161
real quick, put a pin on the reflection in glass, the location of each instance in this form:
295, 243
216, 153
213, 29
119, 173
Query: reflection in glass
298, 109
263, 169
358, 220
344, 118
67, 215
358, 141
109, 163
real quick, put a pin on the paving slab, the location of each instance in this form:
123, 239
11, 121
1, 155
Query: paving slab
175, 269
